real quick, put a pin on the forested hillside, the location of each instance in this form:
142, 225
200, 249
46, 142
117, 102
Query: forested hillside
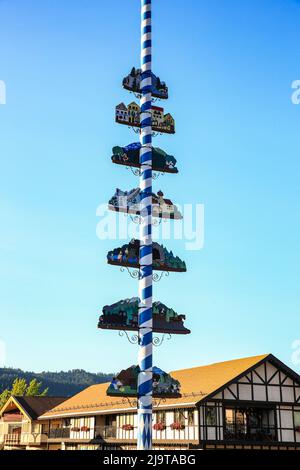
59, 383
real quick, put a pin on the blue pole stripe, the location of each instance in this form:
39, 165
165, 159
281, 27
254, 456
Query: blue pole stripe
146, 140
146, 250
146, 315
146, 74
147, 105
146, 15
147, 43
147, 29
146, 59
146, 363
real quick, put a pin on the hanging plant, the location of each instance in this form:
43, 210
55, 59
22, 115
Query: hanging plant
85, 428
177, 426
159, 426
127, 427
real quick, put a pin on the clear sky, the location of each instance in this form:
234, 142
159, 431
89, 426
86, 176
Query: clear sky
229, 67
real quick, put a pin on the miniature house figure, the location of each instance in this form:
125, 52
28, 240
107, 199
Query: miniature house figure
130, 156
163, 260
125, 383
129, 201
123, 315
130, 116
133, 83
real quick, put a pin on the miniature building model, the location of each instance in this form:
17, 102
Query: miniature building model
130, 116
130, 156
129, 201
133, 83
123, 315
128, 256
125, 383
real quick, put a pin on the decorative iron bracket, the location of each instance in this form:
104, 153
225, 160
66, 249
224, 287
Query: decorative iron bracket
157, 174
157, 341
156, 277
135, 274
136, 130
134, 339
136, 219
156, 222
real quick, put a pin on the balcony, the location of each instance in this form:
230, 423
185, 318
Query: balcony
59, 433
12, 439
237, 432
105, 432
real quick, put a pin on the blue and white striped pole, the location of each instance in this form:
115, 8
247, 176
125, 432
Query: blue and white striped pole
145, 282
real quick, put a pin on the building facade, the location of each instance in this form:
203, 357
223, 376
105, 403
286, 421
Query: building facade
19, 425
249, 403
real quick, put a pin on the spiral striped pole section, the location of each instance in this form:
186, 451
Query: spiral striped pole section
145, 279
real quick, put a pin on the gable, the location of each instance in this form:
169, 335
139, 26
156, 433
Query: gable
268, 382
13, 407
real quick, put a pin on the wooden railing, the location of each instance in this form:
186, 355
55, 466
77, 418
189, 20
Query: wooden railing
12, 439
105, 432
57, 433
238, 432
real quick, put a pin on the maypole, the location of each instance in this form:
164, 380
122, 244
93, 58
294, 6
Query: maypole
149, 260
145, 360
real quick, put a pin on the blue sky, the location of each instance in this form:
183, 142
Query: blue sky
229, 67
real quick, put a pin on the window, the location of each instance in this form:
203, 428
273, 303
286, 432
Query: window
127, 419
191, 417
161, 417
211, 416
250, 423
179, 417
86, 422
297, 419
76, 423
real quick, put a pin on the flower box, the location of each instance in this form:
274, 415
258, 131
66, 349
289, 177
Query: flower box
85, 428
75, 429
127, 427
159, 426
177, 426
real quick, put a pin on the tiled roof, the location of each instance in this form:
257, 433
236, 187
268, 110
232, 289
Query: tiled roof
197, 383
36, 406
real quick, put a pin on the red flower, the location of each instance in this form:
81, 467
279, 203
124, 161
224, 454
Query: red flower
297, 428
127, 427
159, 426
177, 426
85, 428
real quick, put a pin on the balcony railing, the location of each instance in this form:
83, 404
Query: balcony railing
12, 439
105, 432
238, 432
57, 433
99, 432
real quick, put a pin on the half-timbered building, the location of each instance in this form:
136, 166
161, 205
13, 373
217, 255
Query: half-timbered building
248, 403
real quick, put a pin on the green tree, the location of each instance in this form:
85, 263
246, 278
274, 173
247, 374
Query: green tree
19, 387
4, 396
34, 389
